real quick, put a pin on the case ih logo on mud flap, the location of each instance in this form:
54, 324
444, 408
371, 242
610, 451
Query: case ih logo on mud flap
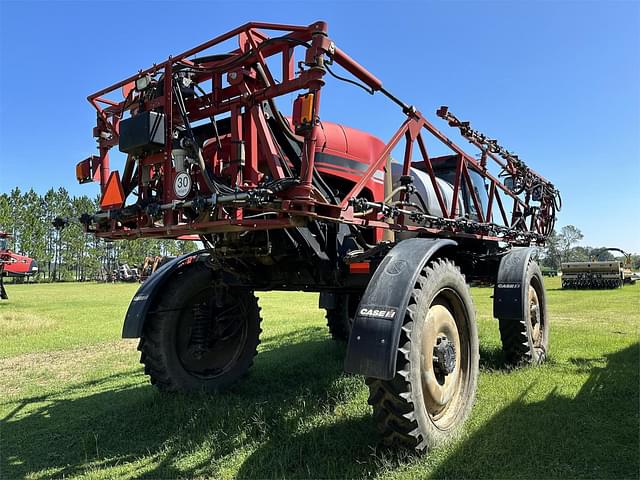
387, 313
508, 285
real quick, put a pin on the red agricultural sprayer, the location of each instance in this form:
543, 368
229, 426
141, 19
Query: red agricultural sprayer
13, 264
286, 200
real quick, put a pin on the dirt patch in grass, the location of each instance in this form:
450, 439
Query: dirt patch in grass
17, 323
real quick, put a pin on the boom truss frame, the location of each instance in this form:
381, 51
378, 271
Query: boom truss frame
240, 83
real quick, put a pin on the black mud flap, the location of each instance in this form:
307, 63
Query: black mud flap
510, 292
3, 292
144, 297
373, 342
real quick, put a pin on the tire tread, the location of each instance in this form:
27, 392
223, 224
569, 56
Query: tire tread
152, 354
392, 400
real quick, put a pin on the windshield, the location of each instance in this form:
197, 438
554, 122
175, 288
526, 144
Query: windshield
3, 243
447, 172
481, 191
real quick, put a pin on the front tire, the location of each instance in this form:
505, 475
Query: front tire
199, 337
434, 388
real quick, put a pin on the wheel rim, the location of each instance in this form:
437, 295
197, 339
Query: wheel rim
534, 317
537, 322
225, 335
444, 370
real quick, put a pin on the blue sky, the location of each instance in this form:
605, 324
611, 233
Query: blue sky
556, 82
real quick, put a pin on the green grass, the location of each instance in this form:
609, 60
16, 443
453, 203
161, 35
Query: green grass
74, 401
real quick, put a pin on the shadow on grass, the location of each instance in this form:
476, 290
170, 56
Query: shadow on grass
593, 435
492, 359
121, 419
277, 419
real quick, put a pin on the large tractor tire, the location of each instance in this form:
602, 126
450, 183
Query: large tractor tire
437, 367
527, 341
199, 337
340, 318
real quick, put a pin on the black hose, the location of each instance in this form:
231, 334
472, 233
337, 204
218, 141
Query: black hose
421, 200
211, 184
277, 116
370, 91
213, 120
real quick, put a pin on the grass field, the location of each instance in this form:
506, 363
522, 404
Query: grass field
75, 402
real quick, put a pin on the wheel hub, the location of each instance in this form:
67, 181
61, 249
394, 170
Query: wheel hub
440, 359
211, 337
444, 356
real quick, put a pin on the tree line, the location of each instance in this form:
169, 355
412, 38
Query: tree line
561, 247
70, 254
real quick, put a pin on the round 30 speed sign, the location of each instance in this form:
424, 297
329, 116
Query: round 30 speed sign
182, 185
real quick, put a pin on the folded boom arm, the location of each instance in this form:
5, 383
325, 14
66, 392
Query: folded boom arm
208, 151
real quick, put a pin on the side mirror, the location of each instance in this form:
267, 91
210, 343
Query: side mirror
509, 183
536, 193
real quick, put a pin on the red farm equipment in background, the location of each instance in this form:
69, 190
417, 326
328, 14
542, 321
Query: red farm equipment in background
13, 264
290, 201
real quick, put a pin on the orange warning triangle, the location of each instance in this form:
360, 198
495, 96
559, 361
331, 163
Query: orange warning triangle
113, 196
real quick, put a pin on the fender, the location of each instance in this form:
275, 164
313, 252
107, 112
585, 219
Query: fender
145, 296
373, 343
510, 292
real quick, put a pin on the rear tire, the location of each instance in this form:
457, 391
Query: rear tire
427, 401
340, 318
199, 337
527, 341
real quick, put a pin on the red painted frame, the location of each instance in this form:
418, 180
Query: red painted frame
244, 92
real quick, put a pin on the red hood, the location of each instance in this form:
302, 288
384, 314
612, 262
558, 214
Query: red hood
18, 265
